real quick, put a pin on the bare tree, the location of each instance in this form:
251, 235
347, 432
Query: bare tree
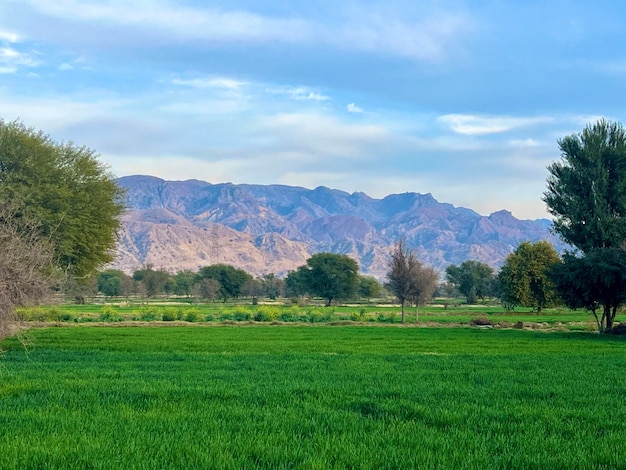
408, 278
426, 280
27, 267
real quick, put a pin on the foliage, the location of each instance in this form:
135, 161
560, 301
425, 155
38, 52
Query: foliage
207, 289
408, 279
587, 188
113, 283
296, 282
332, 276
184, 281
594, 281
153, 281
369, 287
524, 277
67, 192
230, 278
272, 286
472, 278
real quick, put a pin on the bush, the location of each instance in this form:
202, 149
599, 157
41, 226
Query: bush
192, 314
241, 314
108, 314
148, 314
266, 313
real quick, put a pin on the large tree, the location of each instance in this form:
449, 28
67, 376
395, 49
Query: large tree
231, 279
524, 277
332, 276
409, 279
586, 194
66, 191
472, 278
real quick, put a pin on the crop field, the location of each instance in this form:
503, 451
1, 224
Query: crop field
311, 397
219, 312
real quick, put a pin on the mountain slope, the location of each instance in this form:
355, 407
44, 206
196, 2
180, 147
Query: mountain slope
275, 228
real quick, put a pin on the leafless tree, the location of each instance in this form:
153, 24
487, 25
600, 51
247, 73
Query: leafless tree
408, 278
27, 267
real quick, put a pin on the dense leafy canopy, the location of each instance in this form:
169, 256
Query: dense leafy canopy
231, 279
587, 196
332, 276
524, 277
68, 193
472, 278
587, 188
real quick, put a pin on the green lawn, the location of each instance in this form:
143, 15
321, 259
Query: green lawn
311, 397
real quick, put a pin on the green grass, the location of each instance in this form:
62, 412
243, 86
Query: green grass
311, 397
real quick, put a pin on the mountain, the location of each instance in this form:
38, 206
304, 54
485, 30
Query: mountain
275, 228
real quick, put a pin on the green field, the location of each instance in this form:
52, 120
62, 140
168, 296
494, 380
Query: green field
311, 397
185, 311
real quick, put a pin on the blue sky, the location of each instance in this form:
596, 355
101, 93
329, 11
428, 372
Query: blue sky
462, 99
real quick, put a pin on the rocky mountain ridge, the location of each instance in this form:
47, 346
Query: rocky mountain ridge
275, 228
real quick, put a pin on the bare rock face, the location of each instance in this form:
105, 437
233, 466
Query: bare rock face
274, 229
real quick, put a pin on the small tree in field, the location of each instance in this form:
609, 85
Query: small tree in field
408, 279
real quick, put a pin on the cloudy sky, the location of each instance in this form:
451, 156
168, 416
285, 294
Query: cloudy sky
462, 99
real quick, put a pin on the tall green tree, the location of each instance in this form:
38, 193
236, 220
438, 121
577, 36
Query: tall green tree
369, 287
152, 280
586, 194
524, 278
472, 278
332, 276
66, 191
231, 279
296, 282
586, 191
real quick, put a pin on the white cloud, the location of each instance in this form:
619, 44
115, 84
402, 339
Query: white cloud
65, 66
213, 82
353, 108
8, 36
424, 33
481, 125
298, 93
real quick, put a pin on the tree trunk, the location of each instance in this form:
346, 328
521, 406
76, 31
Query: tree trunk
417, 315
402, 304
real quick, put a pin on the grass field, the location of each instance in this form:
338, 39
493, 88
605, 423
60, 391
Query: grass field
311, 397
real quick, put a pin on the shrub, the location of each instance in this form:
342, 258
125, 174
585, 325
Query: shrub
481, 321
241, 314
108, 314
192, 314
266, 313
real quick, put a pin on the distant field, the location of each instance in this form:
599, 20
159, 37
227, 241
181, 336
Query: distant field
277, 312
311, 397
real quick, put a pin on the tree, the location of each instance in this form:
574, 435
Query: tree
153, 281
332, 276
296, 282
426, 282
230, 278
408, 279
587, 188
472, 278
207, 289
368, 287
273, 287
184, 282
586, 195
110, 282
69, 195
594, 281
524, 277
27, 266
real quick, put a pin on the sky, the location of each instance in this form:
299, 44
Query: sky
465, 100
